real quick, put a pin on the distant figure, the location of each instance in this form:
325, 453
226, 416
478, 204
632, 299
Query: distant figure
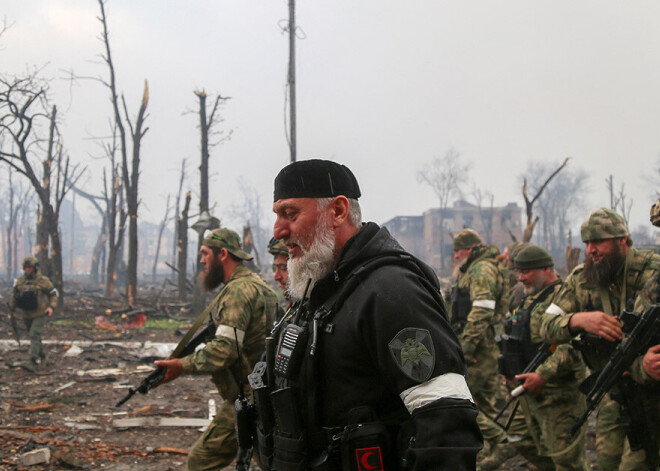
35, 297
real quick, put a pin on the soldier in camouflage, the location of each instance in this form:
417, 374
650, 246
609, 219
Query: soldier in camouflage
479, 305
506, 266
35, 297
552, 399
244, 308
646, 369
611, 277
280, 253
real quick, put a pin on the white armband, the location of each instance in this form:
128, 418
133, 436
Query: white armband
228, 332
449, 385
485, 303
554, 310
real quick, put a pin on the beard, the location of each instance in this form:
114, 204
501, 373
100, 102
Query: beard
604, 272
214, 276
533, 288
314, 263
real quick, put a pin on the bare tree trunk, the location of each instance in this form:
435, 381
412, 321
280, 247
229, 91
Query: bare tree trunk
72, 236
131, 178
97, 253
160, 236
175, 239
56, 276
529, 204
10, 227
182, 249
206, 123
132, 196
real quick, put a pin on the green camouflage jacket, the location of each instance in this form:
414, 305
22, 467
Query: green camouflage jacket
248, 304
488, 288
577, 295
564, 367
45, 292
649, 295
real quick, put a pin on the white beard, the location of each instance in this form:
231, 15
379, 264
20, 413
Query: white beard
314, 263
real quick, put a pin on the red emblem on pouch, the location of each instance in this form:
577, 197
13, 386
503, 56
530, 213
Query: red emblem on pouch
369, 459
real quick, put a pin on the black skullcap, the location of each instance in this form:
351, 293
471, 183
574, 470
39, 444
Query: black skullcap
315, 179
532, 257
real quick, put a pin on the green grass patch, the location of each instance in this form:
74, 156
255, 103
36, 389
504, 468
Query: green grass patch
168, 325
71, 323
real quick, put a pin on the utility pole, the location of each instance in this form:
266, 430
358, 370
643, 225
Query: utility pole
292, 78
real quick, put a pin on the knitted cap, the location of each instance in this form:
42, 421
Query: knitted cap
531, 257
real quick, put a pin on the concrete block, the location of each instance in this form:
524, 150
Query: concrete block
42, 455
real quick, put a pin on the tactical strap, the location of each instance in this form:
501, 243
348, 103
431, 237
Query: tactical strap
333, 303
186, 338
193, 329
544, 294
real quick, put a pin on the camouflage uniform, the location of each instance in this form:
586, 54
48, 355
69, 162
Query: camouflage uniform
32, 295
277, 248
577, 295
650, 387
246, 303
488, 290
551, 414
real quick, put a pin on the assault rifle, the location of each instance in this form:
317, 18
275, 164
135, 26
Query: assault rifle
542, 354
157, 375
644, 334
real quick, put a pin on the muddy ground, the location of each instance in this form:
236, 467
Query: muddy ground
67, 405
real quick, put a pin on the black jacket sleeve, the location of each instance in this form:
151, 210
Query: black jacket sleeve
442, 435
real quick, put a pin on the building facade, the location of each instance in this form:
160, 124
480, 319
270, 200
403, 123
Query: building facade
429, 236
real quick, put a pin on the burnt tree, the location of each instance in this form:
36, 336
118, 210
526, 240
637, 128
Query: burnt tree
182, 249
27, 122
529, 203
209, 137
163, 223
130, 174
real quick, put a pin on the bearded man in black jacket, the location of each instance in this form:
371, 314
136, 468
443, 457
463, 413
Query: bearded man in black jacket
367, 373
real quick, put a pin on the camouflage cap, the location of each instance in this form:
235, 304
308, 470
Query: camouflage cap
603, 223
466, 239
30, 262
277, 247
655, 213
531, 257
224, 238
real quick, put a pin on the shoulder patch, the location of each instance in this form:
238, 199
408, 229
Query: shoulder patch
413, 352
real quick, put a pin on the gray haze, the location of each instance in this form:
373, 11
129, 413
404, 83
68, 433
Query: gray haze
383, 87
